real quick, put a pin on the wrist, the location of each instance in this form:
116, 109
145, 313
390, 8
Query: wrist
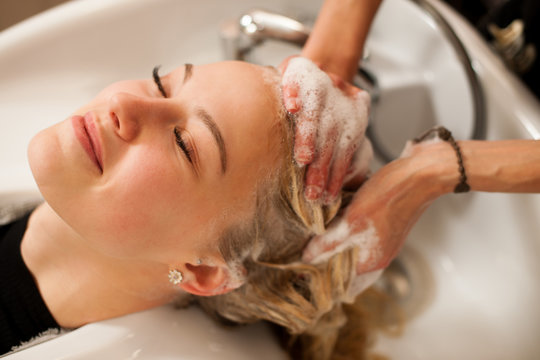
435, 168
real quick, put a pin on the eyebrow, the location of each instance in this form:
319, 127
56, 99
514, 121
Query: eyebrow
214, 130
210, 123
188, 71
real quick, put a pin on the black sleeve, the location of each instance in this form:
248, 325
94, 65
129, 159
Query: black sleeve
23, 314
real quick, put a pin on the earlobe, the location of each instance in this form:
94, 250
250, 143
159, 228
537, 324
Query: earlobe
208, 280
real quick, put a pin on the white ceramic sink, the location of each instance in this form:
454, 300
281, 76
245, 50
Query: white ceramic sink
480, 251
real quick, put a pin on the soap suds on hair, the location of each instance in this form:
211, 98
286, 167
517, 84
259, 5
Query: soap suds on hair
339, 238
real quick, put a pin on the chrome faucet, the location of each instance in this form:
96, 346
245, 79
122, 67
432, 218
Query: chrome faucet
239, 37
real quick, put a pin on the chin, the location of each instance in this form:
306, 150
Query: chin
52, 170
41, 153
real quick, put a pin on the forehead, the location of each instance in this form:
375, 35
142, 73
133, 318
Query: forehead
245, 101
234, 75
243, 98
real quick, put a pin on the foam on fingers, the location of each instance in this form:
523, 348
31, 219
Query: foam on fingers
330, 119
339, 238
321, 100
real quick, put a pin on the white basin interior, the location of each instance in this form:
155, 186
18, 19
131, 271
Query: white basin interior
162, 333
481, 250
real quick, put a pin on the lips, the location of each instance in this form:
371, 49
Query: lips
87, 134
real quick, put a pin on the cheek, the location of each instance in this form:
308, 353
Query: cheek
134, 209
151, 207
142, 197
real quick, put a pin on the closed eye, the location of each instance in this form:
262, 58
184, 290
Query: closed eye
188, 151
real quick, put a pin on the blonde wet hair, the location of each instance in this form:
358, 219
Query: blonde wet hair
306, 300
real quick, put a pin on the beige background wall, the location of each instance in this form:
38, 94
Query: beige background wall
13, 11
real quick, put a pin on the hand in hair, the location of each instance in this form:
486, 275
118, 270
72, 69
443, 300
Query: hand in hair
387, 206
329, 139
335, 44
384, 209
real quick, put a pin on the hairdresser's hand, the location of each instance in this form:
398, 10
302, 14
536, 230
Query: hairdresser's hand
386, 207
329, 135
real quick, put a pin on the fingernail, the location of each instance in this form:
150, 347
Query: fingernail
303, 155
291, 104
313, 192
329, 198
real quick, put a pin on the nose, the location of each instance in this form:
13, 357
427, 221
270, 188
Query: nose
130, 114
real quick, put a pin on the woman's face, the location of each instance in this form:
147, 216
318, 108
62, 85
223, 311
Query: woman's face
138, 175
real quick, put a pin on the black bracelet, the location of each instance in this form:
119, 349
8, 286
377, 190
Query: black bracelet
445, 134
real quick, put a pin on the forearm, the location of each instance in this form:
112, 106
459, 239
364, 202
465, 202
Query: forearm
337, 40
387, 206
494, 166
503, 166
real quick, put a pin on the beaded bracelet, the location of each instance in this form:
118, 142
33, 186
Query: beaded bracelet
444, 134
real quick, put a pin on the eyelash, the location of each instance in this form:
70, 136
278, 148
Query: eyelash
180, 142
177, 133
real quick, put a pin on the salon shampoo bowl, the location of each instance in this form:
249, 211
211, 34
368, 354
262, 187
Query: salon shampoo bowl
474, 294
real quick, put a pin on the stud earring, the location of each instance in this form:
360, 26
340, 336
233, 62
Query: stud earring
199, 261
175, 277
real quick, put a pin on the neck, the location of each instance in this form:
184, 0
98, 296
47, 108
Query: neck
81, 285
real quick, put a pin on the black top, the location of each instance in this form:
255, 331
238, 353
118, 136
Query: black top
23, 314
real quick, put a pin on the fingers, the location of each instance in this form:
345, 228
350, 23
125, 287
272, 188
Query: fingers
319, 249
305, 128
317, 172
349, 168
304, 139
338, 172
322, 247
345, 87
340, 237
351, 133
290, 89
291, 100
283, 66
327, 108
359, 168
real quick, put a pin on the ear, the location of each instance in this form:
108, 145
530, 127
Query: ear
211, 278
